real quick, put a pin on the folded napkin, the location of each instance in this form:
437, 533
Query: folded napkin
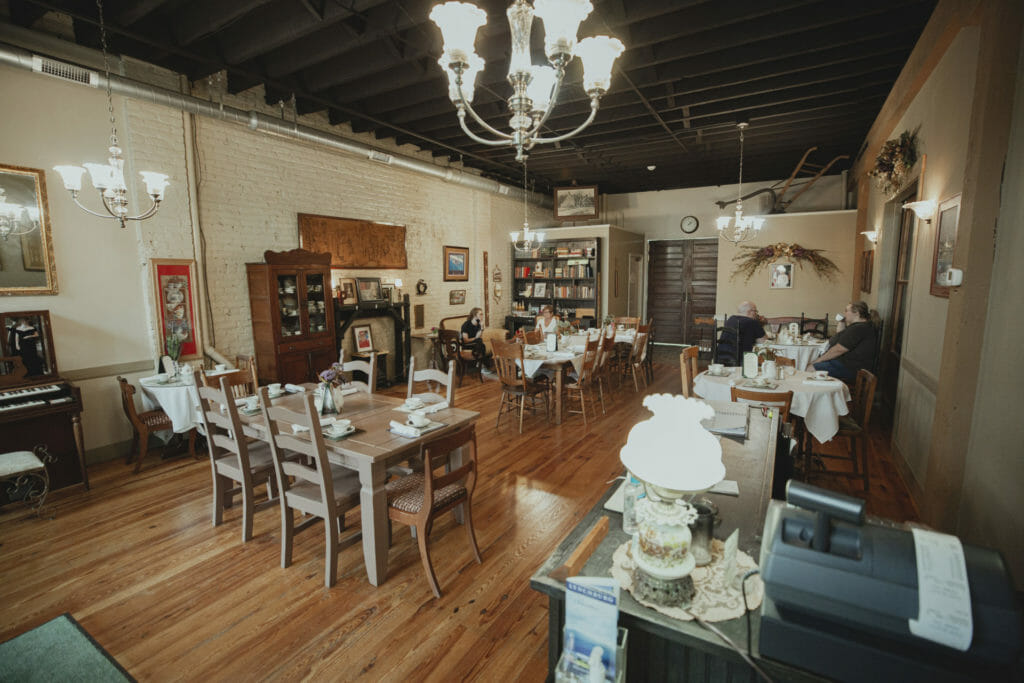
349, 391
405, 430
561, 355
434, 407
293, 388
821, 382
324, 422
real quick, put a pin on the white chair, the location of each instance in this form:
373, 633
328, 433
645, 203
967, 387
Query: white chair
366, 367
436, 376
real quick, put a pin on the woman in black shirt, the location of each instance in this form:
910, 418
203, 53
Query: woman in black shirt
853, 347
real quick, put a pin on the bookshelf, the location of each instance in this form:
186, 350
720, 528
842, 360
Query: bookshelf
565, 273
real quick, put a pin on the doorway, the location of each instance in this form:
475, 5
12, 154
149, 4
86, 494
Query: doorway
682, 284
895, 320
635, 290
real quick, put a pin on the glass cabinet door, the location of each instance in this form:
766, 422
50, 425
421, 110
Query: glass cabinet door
288, 305
316, 302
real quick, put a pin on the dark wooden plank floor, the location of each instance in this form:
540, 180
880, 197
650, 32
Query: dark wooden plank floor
138, 563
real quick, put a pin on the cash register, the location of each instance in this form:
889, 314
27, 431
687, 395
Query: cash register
842, 597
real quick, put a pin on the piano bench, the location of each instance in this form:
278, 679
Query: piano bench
24, 473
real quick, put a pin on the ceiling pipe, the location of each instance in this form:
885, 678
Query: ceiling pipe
20, 58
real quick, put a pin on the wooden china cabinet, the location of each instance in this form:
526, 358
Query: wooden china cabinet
292, 315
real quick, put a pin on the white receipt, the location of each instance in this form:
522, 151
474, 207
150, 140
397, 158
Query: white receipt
944, 598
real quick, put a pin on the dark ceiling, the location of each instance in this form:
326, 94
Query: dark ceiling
805, 73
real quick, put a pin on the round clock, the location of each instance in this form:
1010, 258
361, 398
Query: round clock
689, 224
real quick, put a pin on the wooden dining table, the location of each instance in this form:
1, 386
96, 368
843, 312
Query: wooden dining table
370, 451
536, 357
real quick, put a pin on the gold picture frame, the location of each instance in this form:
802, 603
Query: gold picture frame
27, 266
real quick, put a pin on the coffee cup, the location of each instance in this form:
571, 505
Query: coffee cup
340, 426
220, 367
413, 403
162, 378
252, 403
274, 388
821, 374
716, 368
418, 420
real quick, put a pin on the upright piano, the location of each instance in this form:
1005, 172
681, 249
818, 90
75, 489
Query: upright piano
37, 406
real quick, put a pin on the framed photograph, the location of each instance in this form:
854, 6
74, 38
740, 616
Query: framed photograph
175, 292
575, 203
540, 289
26, 253
363, 337
368, 290
348, 290
781, 276
26, 335
457, 297
456, 264
867, 267
387, 291
945, 243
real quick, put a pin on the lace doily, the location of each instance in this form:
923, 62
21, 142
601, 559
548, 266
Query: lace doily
715, 600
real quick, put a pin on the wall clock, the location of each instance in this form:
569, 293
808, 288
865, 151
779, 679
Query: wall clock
689, 224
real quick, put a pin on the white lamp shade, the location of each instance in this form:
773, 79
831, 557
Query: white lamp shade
469, 75
598, 54
398, 282
458, 22
757, 222
156, 183
71, 176
924, 209
541, 86
561, 22
514, 236
722, 222
102, 175
538, 237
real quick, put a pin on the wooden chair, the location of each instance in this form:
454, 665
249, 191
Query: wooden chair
688, 368
318, 488
637, 356
242, 362
780, 399
783, 361
234, 459
144, 423
367, 367
627, 321
854, 428
727, 345
604, 366
534, 336
464, 359
516, 388
774, 324
649, 358
584, 381
436, 376
418, 498
703, 336
240, 382
818, 327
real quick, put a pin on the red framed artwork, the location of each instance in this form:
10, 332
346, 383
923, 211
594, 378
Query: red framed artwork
174, 284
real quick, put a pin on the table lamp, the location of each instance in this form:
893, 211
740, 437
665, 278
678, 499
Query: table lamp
675, 457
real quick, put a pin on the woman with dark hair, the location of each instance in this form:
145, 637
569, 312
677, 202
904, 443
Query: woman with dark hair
853, 346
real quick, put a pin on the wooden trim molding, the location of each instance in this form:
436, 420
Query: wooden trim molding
109, 370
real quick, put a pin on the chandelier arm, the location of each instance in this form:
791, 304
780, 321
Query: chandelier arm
83, 207
14, 233
143, 216
506, 139
464, 106
590, 119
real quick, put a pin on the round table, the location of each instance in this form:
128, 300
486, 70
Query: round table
804, 354
179, 400
819, 403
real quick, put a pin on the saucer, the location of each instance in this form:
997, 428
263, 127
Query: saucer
276, 394
723, 373
332, 434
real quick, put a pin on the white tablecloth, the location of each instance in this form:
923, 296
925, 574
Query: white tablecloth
180, 401
803, 354
820, 404
541, 356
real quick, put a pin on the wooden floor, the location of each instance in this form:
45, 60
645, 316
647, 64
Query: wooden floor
138, 563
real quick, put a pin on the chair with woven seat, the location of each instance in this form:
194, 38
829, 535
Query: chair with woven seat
584, 381
313, 486
854, 428
688, 368
465, 359
780, 399
367, 367
145, 423
417, 498
234, 459
517, 390
432, 376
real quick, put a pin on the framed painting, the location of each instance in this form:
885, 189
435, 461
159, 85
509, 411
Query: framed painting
26, 246
368, 290
575, 203
347, 287
363, 337
945, 243
174, 287
457, 297
26, 335
781, 276
456, 264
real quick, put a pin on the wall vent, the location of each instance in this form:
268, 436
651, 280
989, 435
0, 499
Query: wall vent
503, 189
381, 157
64, 71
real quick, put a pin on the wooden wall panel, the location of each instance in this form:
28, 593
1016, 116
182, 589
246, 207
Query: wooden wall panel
354, 243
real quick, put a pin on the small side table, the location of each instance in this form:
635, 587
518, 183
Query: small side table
436, 355
383, 381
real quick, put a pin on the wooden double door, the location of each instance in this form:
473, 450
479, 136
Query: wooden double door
682, 284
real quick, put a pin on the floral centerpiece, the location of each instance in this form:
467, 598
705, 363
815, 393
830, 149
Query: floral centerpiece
751, 259
331, 398
172, 345
895, 159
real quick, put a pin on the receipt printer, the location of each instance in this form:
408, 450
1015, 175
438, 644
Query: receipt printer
840, 594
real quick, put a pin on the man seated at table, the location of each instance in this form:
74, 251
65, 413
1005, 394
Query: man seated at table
852, 347
750, 331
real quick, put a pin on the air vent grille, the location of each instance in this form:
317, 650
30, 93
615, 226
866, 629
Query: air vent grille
64, 71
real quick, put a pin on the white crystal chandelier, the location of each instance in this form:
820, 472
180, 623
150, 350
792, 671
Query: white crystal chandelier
16, 219
535, 88
739, 228
530, 238
108, 178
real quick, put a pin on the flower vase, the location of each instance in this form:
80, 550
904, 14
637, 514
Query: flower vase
326, 400
339, 398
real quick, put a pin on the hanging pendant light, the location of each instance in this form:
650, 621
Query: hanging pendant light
739, 228
530, 238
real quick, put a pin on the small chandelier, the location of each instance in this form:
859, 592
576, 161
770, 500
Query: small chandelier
535, 88
108, 178
739, 228
530, 238
16, 219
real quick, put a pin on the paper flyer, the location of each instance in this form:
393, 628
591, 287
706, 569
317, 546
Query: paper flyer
591, 627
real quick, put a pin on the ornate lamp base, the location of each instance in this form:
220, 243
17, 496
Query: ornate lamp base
667, 592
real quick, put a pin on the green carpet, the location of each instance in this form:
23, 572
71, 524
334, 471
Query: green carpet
59, 650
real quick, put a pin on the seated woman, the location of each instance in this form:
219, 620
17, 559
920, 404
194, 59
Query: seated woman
852, 347
547, 322
473, 333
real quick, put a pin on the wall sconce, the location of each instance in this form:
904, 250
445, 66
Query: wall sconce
398, 288
871, 235
924, 209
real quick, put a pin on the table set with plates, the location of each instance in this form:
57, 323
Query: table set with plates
804, 353
819, 402
536, 356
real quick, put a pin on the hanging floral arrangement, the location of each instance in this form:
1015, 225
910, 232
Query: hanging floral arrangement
754, 258
893, 162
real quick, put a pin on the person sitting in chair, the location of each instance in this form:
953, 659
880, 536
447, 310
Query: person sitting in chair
473, 333
749, 327
547, 323
852, 347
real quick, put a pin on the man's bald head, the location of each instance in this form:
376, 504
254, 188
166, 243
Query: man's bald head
748, 309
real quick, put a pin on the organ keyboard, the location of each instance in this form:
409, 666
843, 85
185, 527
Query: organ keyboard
30, 397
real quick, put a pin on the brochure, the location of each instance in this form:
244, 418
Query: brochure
591, 627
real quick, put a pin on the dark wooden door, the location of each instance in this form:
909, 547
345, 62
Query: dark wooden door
893, 350
682, 283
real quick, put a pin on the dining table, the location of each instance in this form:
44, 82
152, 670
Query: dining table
803, 353
536, 356
819, 402
370, 450
175, 396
